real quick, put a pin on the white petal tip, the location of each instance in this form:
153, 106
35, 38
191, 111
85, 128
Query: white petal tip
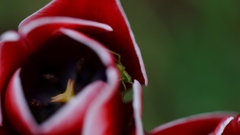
10, 35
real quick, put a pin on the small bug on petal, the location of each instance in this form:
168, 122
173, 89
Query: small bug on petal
125, 77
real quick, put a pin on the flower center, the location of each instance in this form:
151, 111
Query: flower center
57, 71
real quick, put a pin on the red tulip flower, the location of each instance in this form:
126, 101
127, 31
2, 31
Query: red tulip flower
64, 70
120, 40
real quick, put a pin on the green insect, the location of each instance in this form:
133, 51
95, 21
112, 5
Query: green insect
125, 77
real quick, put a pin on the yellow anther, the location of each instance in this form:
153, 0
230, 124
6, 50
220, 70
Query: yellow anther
67, 95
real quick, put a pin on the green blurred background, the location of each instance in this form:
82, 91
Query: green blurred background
191, 50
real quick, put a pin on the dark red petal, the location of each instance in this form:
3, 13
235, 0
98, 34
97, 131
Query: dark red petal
16, 107
228, 126
203, 124
40, 30
111, 116
12, 54
110, 12
104, 115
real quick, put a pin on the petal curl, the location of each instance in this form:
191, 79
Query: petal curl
110, 12
228, 126
98, 119
202, 124
17, 109
38, 31
12, 55
58, 21
109, 116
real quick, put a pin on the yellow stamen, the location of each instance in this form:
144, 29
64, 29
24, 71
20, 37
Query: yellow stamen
67, 95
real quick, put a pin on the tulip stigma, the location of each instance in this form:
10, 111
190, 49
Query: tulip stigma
125, 77
67, 95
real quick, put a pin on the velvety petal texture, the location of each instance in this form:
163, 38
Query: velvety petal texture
203, 124
110, 12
